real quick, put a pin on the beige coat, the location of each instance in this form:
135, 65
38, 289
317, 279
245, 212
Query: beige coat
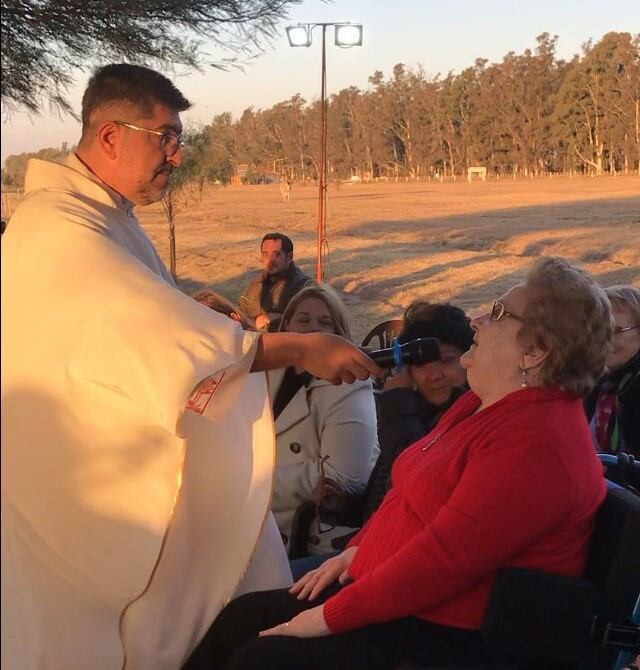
319, 421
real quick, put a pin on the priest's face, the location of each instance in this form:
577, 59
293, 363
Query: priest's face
151, 148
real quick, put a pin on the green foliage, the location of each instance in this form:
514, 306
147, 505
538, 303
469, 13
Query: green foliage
44, 42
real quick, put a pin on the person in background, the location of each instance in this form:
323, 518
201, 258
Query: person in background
268, 294
508, 477
218, 303
613, 407
323, 432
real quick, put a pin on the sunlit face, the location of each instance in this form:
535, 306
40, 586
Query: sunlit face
493, 361
145, 166
624, 345
275, 260
435, 381
311, 315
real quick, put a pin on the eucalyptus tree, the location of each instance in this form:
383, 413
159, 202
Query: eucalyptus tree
598, 99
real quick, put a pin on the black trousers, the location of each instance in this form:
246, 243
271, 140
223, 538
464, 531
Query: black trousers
232, 641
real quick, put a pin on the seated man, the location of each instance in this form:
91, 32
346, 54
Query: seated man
268, 294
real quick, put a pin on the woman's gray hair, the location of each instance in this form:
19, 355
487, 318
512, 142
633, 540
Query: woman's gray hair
626, 298
330, 298
569, 316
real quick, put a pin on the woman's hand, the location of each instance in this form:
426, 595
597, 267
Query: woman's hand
310, 585
309, 623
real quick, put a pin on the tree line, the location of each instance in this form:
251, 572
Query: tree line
528, 115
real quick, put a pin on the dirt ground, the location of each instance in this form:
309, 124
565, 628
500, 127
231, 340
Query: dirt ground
391, 243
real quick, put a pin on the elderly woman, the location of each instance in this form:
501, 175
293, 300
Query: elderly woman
323, 432
612, 407
508, 477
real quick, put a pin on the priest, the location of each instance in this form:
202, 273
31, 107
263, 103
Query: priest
138, 447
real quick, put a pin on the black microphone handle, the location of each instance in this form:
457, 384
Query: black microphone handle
383, 357
415, 352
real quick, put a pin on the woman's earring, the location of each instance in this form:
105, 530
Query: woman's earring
523, 382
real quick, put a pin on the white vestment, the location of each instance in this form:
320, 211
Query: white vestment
127, 523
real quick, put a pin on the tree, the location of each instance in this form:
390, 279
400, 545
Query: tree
44, 42
598, 100
185, 187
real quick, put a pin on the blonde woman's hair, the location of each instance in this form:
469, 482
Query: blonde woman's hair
330, 298
626, 298
569, 316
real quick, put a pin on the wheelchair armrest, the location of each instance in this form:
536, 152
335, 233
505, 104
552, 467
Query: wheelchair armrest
540, 618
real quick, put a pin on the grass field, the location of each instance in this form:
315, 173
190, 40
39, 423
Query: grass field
391, 243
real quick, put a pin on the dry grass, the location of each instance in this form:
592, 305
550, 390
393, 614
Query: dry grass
392, 243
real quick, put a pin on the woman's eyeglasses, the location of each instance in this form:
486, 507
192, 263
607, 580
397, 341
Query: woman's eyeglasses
499, 311
170, 142
623, 329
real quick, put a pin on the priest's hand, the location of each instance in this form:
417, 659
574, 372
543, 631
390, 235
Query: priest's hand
309, 623
324, 355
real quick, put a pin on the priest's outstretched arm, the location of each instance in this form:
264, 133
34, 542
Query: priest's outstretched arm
324, 355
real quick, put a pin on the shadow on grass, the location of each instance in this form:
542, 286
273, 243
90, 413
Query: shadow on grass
586, 231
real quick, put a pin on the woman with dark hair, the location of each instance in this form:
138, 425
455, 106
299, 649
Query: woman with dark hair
409, 406
508, 478
412, 402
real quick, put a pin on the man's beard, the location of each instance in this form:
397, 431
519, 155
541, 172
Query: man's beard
151, 192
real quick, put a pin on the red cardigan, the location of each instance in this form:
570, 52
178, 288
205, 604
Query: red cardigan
517, 484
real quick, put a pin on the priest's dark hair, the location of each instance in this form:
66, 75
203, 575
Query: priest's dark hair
135, 86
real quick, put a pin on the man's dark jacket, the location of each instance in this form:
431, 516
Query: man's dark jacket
267, 294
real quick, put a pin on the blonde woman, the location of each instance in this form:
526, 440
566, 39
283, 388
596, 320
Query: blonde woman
323, 432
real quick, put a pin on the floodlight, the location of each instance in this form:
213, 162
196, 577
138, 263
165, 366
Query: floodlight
349, 35
299, 36
346, 35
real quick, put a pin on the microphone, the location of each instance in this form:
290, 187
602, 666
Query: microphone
414, 352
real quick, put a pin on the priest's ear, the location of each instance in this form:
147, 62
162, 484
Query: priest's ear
109, 138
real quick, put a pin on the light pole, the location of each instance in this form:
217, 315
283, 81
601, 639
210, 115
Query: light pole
346, 35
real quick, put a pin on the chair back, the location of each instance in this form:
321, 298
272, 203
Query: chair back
384, 333
614, 567
543, 619
614, 554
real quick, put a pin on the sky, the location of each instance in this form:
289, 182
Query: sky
440, 36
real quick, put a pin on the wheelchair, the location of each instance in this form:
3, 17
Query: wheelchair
537, 621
